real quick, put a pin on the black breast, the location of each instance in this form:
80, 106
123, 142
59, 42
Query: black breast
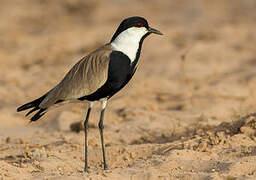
119, 74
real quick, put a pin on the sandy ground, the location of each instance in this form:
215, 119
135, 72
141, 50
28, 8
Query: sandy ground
187, 114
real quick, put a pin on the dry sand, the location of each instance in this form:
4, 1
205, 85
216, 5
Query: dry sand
187, 113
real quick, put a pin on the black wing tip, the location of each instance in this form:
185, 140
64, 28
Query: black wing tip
31, 104
24, 107
35, 106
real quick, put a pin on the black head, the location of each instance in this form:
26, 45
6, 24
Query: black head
136, 21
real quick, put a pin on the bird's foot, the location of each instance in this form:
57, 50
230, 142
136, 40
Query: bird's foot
105, 167
86, 169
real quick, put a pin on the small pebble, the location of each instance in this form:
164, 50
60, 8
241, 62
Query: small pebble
36, 163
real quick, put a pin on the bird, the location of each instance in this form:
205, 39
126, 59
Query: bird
98, 76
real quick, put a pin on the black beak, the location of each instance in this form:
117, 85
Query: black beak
155, 31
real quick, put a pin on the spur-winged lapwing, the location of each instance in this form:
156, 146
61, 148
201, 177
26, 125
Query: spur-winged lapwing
99, 75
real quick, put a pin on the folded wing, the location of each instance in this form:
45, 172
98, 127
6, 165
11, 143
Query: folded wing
86, 76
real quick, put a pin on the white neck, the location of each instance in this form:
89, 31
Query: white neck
128, 41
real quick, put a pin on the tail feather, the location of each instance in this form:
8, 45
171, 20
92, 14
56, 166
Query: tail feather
39, 114
32, 110
35, 105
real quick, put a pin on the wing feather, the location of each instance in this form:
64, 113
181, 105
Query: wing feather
86, 76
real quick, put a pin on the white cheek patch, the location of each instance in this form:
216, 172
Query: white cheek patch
128, 41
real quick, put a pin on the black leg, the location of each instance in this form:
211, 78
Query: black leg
101, 128
85, 139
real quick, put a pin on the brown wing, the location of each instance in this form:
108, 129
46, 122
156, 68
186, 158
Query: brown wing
86, 76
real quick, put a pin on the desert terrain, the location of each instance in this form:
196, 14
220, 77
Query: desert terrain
188, 113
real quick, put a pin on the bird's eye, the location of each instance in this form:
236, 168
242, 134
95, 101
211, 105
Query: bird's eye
139, 24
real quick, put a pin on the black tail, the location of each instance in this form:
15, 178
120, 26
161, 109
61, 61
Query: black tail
35, 105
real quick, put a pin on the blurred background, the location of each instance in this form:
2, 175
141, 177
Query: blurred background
199, 75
